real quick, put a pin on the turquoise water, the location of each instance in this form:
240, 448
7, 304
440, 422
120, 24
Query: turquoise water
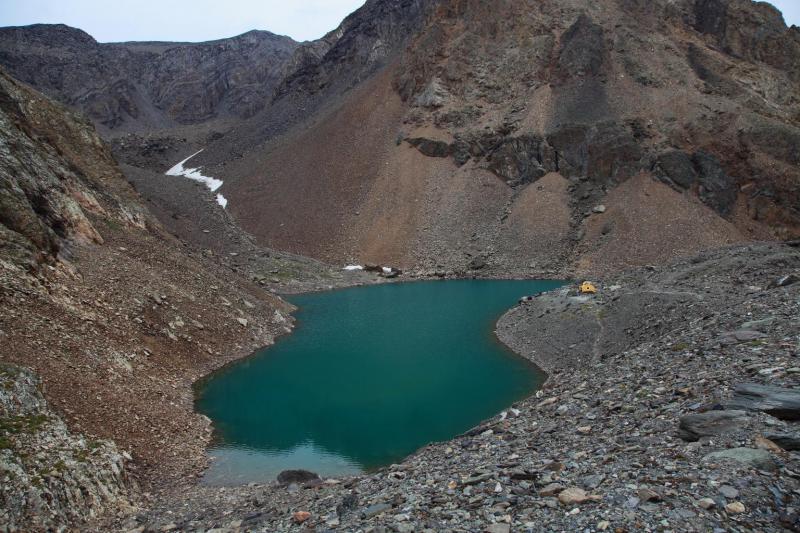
369, 376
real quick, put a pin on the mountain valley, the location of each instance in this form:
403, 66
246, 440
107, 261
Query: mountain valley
650, 146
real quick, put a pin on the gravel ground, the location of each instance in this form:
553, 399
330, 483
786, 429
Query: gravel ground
624, 436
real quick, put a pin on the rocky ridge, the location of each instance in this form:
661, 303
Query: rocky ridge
148, 86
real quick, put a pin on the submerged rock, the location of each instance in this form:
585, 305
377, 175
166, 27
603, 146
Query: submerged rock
297, 476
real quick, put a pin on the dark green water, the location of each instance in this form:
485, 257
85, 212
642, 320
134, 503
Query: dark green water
369, 376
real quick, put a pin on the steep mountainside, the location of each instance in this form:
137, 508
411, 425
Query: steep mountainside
527, 137
115, 316
540, 136
145, 86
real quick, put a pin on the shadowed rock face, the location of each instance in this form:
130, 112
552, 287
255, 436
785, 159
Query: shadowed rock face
135, 86
582, 51
750, 30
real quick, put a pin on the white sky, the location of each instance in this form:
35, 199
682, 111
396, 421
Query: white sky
182, 20
204, 20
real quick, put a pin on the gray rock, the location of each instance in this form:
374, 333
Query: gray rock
676, 168
742, 335
787, 441
474, 480
758, 325
582, 51
519, 160
297, 476
430, 147
784, 281
348, 504
375, 510
717, 189
594, 481
477, 263
777, 401
693, 427
760, 459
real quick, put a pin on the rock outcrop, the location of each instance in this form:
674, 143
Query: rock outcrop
55, 173
49, 476
116, 318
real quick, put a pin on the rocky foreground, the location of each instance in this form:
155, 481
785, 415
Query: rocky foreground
49, 474
672, 406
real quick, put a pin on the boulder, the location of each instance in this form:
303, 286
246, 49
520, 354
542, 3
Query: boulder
551, 490
301, 516
788, 441
743, 335
759, 459
375, 510
779, 402
694, 427
297, 476
784, 281
575, 495
735, 508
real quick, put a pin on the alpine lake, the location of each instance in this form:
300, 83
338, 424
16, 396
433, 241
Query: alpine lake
368, 376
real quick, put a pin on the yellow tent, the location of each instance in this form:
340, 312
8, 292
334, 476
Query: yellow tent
588, 288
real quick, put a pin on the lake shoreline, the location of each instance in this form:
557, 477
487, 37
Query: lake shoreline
602, 430
397, 321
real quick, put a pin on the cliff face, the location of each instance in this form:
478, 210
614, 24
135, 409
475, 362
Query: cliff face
141, 86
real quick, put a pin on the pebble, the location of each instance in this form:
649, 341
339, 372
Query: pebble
735, 508
706, 503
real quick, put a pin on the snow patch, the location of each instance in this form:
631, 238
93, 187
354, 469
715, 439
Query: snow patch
194, 174
387, 270
352, 268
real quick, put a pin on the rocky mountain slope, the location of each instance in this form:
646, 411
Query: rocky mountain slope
523, 137
50, 476
526, 137
544, 136
142, 87
114, 315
